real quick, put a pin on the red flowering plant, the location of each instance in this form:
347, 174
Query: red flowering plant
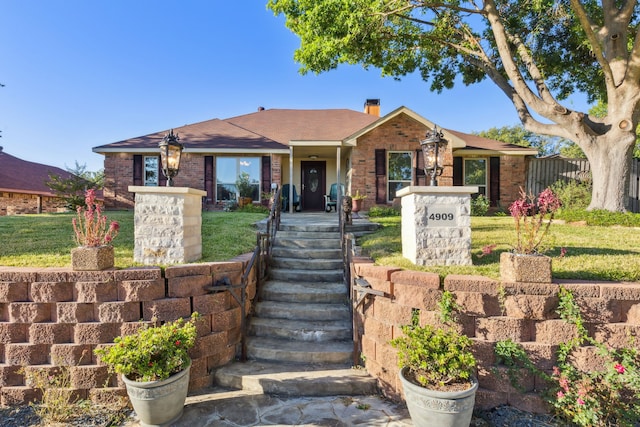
153, 353
90, 226
532, 219
604, 397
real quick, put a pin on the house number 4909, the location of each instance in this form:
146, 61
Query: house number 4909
441, 217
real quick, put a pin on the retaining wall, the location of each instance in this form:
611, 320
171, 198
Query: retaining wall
52, 317
524, 312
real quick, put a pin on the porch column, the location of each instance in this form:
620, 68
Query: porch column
339, 199
290, 179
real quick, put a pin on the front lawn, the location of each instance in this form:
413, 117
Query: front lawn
592, 252
46, 240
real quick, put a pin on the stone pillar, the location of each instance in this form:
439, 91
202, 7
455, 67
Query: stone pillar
436, 225
168, 225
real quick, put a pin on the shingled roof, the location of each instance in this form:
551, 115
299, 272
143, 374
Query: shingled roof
21, 176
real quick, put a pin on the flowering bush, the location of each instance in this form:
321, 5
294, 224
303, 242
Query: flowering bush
529, 216
90, 226
601, 398
153, 353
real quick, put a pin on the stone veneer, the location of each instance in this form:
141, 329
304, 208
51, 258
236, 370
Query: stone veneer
527, 315
436, 224
54, 316
168, 225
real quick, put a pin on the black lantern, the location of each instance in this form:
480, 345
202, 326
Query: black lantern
170, 151
433, 148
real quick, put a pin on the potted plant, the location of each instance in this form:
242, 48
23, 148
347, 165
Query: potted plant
245, 189
437, 370
532, 217
356, 201
94, 251
154, 364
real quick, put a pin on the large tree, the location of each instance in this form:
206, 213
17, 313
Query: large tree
537, 52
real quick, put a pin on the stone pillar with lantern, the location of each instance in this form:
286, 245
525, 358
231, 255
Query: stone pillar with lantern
436, 220
168, 220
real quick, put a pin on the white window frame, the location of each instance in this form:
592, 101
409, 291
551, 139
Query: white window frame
238, 170
483, 188
389, 180
147, 169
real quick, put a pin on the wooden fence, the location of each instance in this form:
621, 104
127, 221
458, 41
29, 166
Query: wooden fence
544, 172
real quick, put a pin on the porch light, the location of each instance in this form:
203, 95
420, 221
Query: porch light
433, 150
170, 151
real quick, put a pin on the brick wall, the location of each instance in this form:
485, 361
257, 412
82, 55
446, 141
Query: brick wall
52, 317
402, 133
19, 203
528, 316
513, 175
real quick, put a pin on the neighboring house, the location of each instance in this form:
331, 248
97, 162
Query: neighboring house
23, 188
313, 149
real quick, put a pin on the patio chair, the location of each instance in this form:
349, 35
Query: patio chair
331, 200
285, 198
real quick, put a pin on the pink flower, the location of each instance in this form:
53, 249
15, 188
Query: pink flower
564, 383
178, 343
619, 368
580, 401
486, 250
563, 252
560, 395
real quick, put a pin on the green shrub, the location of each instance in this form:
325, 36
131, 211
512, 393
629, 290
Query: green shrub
573, 194
600, 217
383, 211
479, 206
252, 208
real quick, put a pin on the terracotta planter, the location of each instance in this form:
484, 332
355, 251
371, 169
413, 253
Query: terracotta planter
431, 408
159, 403
90, 258
525, 268
243, 201
356, 205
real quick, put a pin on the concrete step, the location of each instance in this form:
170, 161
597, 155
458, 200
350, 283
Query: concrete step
313, 292
305, 243
299, 330
306, 253
315, 235
311, 227
308, 311
296, 380
307, 264
290, 351
299, 276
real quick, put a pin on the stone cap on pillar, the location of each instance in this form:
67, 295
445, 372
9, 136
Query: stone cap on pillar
166, 190
424, 189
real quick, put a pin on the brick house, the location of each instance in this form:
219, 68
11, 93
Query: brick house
23, 188
313, 149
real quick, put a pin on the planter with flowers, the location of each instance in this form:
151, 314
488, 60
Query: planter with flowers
154, 364
532, 217
357, 200
93, 236
437, 370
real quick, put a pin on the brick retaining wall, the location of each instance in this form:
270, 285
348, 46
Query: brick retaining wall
51, 317
526, 314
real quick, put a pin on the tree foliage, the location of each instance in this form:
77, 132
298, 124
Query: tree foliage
518, 135
538, 53
72, 188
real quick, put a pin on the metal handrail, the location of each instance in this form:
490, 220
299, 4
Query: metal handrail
260, 259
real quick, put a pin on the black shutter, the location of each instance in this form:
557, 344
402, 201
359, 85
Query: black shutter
494, 180
137, 170
381, 175
266, 174
208, 179
420, 177
457, 171
162, 180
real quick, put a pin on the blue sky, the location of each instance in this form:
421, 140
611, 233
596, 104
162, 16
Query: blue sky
80, 73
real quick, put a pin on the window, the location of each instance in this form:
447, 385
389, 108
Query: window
151, 171
475, 173
399, 172
228, 169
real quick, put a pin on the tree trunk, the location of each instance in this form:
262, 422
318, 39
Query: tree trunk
610, 161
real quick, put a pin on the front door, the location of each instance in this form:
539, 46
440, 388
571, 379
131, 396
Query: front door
313, 186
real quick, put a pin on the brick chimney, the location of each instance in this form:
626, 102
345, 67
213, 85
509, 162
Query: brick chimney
372, 106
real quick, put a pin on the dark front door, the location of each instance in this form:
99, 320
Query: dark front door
313, 183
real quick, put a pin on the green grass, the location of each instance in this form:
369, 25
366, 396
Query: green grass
592, 252
47, 240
